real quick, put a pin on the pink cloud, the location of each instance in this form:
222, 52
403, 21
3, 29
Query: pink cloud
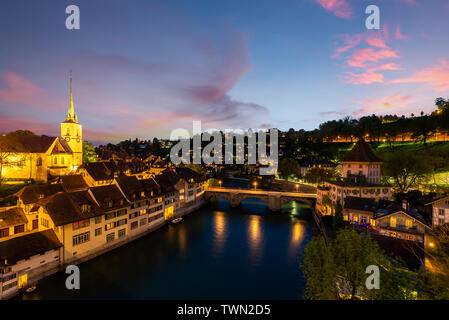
398, 35
363, 57
374, 39
339, 8
437, 77
19, 90
363, 78
8, 124
383, 105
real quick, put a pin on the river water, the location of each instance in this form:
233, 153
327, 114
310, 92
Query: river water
217, 252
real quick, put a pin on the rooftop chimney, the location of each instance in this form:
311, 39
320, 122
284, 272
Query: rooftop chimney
405, 205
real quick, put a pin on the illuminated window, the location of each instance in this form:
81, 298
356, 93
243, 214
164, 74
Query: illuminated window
80, 224
355, 219
393, 222
372, 222
408, 223
345, 218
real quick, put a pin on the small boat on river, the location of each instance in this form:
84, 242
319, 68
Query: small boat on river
176, 220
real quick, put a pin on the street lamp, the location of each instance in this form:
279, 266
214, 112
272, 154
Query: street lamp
297, 186
220, 182
255, 185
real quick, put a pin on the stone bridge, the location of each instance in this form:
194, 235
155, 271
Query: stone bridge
274, 199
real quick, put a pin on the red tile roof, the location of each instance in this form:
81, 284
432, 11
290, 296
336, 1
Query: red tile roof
361, 153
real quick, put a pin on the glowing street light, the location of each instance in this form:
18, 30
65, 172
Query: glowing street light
220, 182
255, 185
297, 186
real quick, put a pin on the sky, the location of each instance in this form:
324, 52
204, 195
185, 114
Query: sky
144, 68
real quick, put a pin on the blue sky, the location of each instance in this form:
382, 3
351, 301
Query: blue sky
144, 68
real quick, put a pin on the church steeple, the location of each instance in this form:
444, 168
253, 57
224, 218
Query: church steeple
71, 117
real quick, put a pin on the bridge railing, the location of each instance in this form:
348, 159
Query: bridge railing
261, 191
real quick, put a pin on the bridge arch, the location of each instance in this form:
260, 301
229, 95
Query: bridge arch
274, 200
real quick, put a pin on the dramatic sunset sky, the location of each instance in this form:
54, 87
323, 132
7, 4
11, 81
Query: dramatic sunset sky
143, 68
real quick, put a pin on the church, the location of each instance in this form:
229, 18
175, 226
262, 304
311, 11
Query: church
42, 158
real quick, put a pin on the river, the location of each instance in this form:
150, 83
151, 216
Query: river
217, 252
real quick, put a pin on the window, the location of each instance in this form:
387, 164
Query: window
39, 162
133, 215
143, 221
9, 286
35, 224
134, 225
45, 223
55, 161
440, 222
121, 233
110, 237
441, 212
85, 208
19, 229
80, 224
81, 238
62, 160
4, 232
97, 232
408, 223
372, 222
97, 220
393, 222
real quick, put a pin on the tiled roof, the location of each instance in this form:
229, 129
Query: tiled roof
361, 153
106, 195
31, 194
28, 245
166, 181
98, 171
73, 182
32, 144
12, 217
65, 208
150, 185
411, 252
358, 203
131, 187
188, 173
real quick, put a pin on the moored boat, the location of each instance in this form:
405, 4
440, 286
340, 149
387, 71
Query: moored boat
176, 220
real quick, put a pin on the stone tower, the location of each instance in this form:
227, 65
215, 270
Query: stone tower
72, 133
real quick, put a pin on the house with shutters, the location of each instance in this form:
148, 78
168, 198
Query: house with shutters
360, 178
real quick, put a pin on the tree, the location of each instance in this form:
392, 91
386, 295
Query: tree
288, 167
337, 220
338, 270
89, 154
406, 169
318, 175
197, 168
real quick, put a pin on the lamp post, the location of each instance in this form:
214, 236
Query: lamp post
220, 182
297, 186
255, 185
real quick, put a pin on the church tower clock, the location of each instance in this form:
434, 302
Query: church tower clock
72, 133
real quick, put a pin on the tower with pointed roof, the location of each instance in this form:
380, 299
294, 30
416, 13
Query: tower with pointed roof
361, 160
72, 133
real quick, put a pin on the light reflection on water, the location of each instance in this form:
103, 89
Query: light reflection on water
215, 253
